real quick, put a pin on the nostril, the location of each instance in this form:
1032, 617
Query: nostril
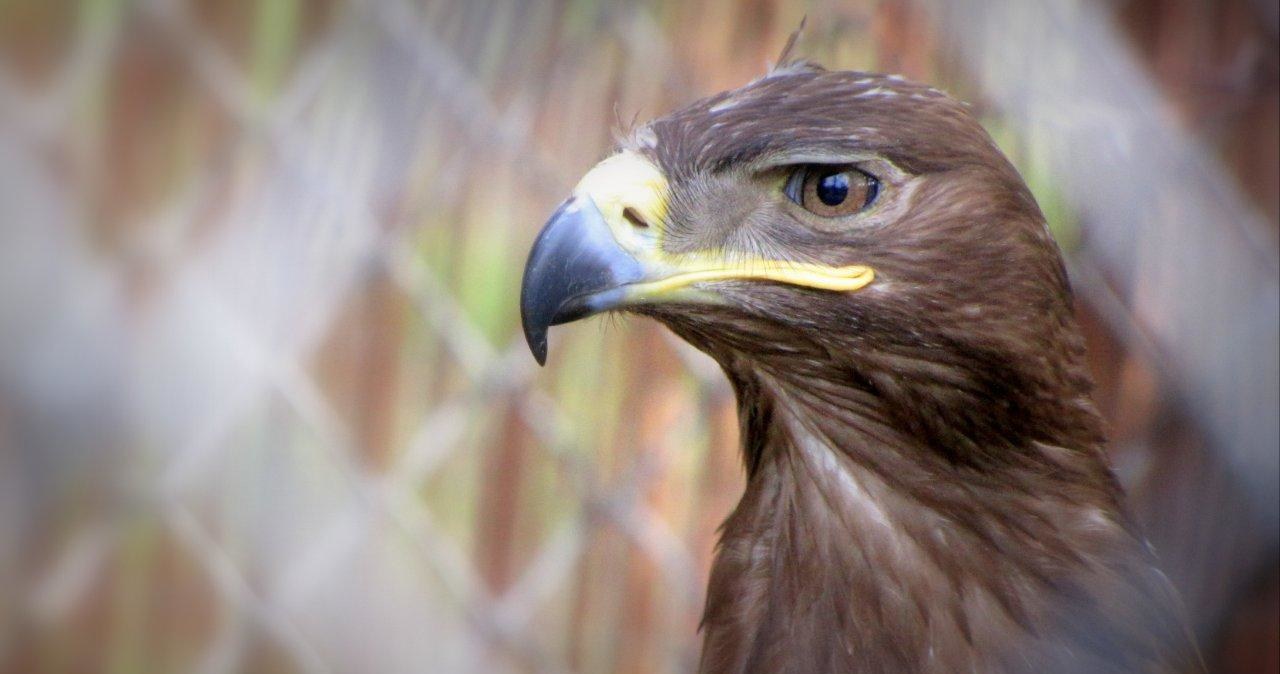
634, 218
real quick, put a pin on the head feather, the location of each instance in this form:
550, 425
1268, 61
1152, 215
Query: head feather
788, 62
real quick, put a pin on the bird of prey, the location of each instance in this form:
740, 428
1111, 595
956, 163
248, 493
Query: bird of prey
927, 489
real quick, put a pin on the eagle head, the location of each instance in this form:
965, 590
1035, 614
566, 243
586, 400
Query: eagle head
851, 232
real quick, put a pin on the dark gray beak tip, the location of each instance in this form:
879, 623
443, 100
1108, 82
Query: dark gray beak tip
537, 340
540, 352
573, 265
541, 290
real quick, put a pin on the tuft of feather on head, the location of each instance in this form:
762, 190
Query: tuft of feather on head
788, 63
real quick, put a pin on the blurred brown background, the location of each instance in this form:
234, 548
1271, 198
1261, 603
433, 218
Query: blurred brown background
264, 405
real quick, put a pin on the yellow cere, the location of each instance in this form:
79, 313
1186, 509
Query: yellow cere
628, 180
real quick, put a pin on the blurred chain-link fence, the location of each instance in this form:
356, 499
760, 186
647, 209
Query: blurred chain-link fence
263, 401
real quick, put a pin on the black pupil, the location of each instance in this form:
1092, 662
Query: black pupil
833, 188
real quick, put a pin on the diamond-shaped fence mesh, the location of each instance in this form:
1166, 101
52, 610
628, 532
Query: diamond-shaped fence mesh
264, 405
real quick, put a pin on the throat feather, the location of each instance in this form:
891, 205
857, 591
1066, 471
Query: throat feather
850, 538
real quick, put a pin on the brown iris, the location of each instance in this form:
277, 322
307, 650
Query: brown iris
832, 191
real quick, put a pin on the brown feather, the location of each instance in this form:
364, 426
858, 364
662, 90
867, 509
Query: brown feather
927, 487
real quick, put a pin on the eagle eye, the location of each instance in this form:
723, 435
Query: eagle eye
832, 191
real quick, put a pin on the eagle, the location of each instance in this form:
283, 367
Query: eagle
927, 488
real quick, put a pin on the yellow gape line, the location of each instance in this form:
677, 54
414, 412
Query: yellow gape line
839, 279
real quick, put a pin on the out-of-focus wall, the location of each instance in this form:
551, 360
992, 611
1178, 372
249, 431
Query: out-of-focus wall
264, 404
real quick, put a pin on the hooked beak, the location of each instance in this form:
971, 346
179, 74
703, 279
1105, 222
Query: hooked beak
575, 269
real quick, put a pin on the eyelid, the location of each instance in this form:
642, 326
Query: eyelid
807, 156
784, 164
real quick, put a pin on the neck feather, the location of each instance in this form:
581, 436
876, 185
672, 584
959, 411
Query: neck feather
856, 549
